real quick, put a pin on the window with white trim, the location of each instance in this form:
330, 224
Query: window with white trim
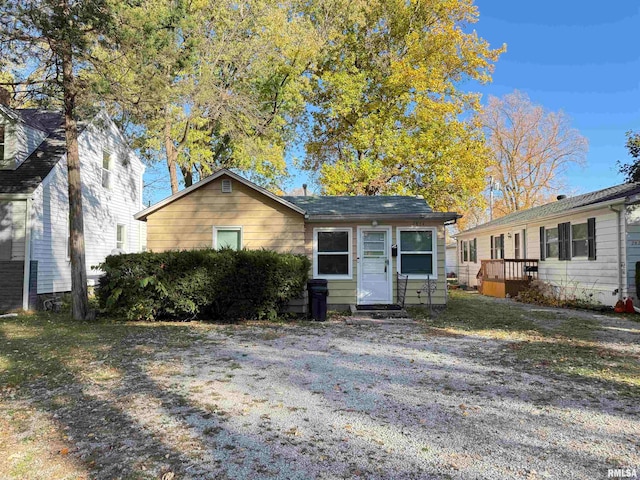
106, 169
121, 237
227, 237
579, 244
332, 253
417, 252
551, 243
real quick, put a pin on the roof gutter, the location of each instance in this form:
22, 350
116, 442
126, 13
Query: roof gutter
435, 216
584, 208
621, 286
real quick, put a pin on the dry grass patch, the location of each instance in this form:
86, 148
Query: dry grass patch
541, 339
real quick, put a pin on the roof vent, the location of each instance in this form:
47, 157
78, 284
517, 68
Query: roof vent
420, 197
226, 186
561, 197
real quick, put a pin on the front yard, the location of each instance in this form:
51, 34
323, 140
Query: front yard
488, 389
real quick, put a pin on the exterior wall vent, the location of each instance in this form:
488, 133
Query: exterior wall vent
226, 186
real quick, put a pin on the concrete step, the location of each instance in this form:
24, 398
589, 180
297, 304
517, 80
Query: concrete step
378, 314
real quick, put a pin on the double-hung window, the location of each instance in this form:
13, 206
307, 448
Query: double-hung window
106, 169
417, 252
473, 250
227, 237
332, 253
121, 237
579, 244
551, 242
497, 246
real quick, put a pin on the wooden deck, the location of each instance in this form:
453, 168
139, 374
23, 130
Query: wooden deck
497, 278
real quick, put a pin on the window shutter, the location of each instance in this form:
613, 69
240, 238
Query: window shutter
542, 244
492, 250
502, 245
591, 238
564, 241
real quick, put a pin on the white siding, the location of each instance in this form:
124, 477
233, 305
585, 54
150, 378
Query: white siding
20, 141
12, 228
579, 276
103, 208
632, 249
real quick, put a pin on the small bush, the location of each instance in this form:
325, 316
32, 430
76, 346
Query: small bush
224, 284
562, 296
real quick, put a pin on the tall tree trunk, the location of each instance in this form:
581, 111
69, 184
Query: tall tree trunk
172, 153
79, 296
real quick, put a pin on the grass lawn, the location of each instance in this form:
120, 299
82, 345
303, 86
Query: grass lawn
582, 344
485, 389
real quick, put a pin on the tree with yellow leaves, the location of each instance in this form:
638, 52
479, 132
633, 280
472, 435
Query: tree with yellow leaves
388, 115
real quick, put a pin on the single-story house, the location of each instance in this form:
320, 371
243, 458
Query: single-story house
585, 246
358, 244
34, 205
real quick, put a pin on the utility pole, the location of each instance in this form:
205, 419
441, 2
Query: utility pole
493, 185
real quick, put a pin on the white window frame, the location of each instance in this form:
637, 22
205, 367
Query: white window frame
547, 243
433, 252
124, 237
586, 239
231, 227
107, 171
349, 253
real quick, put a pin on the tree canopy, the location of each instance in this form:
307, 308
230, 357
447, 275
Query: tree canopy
631, 171
531, 149
212, 83
387, 113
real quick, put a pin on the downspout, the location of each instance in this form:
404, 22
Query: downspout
619, 241
27, 256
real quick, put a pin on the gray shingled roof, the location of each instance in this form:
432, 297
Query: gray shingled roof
565, 205
360, 205
27, 177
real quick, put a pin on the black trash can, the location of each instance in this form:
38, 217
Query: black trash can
318, 291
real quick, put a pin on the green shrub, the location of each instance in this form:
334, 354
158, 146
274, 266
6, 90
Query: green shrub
223, 284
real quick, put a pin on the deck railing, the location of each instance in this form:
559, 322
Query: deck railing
508, 269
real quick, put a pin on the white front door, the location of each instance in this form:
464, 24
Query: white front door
374, 266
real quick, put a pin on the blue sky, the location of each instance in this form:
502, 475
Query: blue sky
581, 57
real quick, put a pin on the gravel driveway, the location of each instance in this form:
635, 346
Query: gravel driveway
381, 399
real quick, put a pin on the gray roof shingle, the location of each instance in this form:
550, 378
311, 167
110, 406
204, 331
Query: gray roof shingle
360, 205
565, 205
27, 177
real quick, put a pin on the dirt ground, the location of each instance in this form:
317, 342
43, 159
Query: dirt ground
347, 398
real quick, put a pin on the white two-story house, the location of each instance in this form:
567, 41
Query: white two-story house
34, 205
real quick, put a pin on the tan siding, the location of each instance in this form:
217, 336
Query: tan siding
344, 292
188, 222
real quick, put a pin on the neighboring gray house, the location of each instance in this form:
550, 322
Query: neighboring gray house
34, 213
586, 246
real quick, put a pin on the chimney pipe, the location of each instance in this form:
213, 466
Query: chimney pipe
304, 189
5, 97
561, 197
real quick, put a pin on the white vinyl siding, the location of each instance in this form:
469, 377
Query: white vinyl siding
102, 209
19, 142
580, 276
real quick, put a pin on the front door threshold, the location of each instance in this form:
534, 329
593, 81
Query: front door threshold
378, 306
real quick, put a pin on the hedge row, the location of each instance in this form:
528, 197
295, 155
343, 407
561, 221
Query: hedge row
216, 284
